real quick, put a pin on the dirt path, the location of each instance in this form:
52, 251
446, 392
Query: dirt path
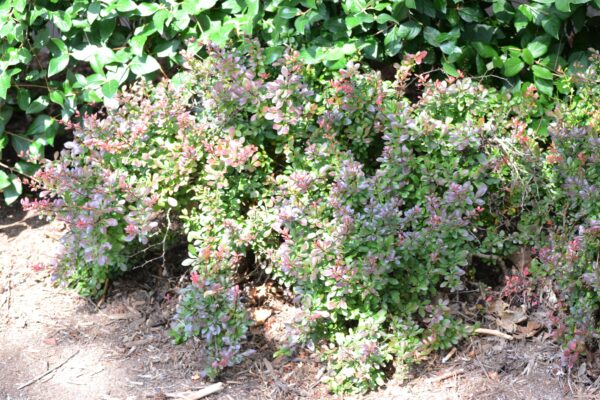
122, 350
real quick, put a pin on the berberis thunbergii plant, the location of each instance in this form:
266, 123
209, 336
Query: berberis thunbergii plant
368, 207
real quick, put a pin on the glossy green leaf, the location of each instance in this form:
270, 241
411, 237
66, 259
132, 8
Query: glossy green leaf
542, 72
392, 42
38, 105
545, 86
125, 6
513, 66
527, 56
62, 21
551, 25
146, 9
6, 113
195, 7
159, 19
26, 168
450, 69
563, 5
287, 12
273, 53
355, 20
4, 84
56, 96
539, 46
109, 89
144, 65
42, 124
4, 180
409, 30
93, 12
14, 190
23, 99
484, 50
58, 64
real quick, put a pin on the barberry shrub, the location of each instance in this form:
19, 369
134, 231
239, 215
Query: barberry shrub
367, 206
114, 183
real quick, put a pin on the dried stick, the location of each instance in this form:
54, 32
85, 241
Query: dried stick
34, 380
447, 375
493, 332
198, 394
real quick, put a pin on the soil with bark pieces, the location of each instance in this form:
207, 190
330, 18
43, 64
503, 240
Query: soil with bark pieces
56, 345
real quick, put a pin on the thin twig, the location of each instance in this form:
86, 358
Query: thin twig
164, 244
447, 375
34, 380
483, 368
198, 394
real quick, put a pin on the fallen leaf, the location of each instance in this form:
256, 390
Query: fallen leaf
50, 341
531, 329
196, 376
260, 315
507, 318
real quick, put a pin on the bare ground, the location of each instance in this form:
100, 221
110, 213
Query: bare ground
56, 345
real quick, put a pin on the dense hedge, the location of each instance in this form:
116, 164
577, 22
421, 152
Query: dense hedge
58, 56
369, 208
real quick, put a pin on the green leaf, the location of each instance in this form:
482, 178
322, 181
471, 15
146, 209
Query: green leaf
62, 21
287, 12
87, 53
5, 114
42, 124
19, 5
384, 18
273, 53
110, 88
57, 64
563, 5
539, 46
159, 19
125, 6
551, 25
409, 30
26, 168
58, 47
470, 14
14, 190
355, 20
38, 105
450, 69
56, 96
23, 99
144, 65
485, 50
521, 21
167, 49
431, 36
106, 27
542, 72
4, 84
527, 56
513, 66
146, 9
93, 12
137, 43
392, 42
195, 7
545, 86
4, 180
